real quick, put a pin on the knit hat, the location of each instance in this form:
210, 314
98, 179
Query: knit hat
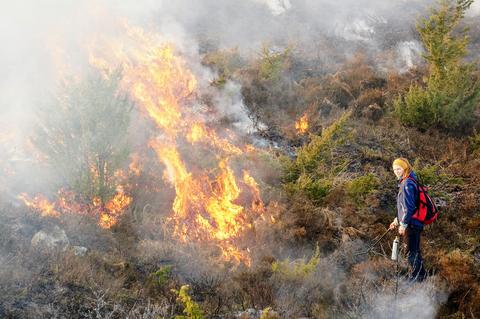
405, 164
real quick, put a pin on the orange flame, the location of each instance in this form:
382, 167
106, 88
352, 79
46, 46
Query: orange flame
41, 204
257, 203
134, 167
114, 209
66, 203
205, 207
302, 124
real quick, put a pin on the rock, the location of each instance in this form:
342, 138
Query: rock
79, 250
250, 313
56, 238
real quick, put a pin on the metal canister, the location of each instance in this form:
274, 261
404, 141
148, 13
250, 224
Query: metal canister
395, 248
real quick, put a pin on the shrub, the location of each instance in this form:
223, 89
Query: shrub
361, 186
369, 97
84, 132
268, 313
452, 90
273, 63
298, 269
191, 309
225, 62
317, 151
315, 189
305, 173
428, 175
162, 275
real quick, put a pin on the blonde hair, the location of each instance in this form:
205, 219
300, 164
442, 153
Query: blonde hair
405, 164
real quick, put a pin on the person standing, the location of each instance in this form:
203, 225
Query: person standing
409, 227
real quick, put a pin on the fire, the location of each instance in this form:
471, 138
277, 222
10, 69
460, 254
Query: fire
134, 167
41, 204
207, 204
114, 208
223, 211
205, 207
67, 203
257, 203
302, 124
197, 133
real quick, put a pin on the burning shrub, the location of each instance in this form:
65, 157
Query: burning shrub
268, 86
84, 136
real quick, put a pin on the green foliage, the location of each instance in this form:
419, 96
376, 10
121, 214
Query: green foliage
298, 269
320, 145
452, 90
432, 174
306, 173
225, 62
162, 275
427, 175
361, 186
273, 63
268, 313
84, 135
316, 189
191, 309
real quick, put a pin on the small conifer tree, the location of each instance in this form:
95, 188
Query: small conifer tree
451, 92
83, 134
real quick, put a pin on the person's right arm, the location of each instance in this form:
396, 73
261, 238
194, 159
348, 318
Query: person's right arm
393, 224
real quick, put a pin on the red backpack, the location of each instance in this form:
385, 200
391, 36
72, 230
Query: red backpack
426, 212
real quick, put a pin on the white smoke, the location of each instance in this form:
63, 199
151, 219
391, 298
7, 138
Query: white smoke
358, 29
229, 103
415, 301
277, 7
409, 54
474, 9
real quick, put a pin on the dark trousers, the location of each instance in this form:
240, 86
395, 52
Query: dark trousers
414, 255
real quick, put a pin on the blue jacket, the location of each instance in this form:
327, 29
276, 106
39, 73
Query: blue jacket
407, 202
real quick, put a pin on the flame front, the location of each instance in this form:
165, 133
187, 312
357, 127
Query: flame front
205, 207
113, 208
66, 203
41, 204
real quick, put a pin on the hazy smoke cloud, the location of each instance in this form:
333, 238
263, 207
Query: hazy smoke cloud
417, 301
474, 9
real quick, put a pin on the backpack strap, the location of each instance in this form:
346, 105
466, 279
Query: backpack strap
417, 184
